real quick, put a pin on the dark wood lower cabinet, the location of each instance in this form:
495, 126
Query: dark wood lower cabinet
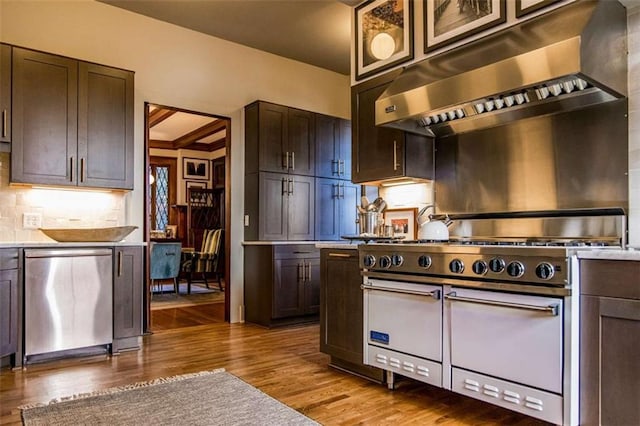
10, 302
282, 283
128, 289
609, 343
341, 311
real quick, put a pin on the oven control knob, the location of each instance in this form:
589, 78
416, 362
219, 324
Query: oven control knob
515, 269
456, 266
385, 262
369, 261
397, 260
479, 267
424, 261
545, 271
496, 265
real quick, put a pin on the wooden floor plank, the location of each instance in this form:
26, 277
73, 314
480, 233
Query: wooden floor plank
284, 363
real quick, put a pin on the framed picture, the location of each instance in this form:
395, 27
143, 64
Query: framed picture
527, 6
446, 21
402, 221
195, 168
193, 184
217, 167
384, 35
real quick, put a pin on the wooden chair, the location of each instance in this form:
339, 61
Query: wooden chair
165, 263
206, 261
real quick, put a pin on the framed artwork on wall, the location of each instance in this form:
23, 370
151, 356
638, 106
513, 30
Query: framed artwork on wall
193, 184
447, 21
384, 35
402, 221
527, 6
217, 167
195, 168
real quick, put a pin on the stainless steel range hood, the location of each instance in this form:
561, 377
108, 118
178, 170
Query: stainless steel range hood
567, 59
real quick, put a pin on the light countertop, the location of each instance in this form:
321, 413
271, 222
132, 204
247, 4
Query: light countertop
276, 243
630, 254
54, 244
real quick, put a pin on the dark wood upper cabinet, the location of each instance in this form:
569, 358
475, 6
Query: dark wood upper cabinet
105, 126
45, 118
279, 139
336, 202
382, 153
5, 97
302, 154
72, 122
282, 205
333, 147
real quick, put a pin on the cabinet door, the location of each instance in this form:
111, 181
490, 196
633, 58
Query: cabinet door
8, 312
272, 137
347, 214
327, 135
273, 206
128, 288
288, 289
44, 125
311, 286
344, 151
301, 142
377, 152
5, 93
341, 305
301, 213
609, 367
105, 127
327, 223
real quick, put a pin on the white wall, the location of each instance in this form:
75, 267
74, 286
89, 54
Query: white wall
180, 68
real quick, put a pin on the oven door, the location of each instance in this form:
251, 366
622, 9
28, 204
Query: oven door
513, 337
404, 317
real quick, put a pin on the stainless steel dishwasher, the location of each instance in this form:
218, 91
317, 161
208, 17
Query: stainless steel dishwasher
68, 301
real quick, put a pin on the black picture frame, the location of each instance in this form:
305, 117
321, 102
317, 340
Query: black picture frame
443, 24
387, 23
524, 7
195, 169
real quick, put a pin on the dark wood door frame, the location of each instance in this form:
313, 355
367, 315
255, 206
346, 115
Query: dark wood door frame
227, 210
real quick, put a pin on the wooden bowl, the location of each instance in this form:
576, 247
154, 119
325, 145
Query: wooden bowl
88, 235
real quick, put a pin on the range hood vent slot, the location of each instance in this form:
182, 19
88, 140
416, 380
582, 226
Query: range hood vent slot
570, 58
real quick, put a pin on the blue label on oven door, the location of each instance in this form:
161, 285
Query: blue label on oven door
378, 337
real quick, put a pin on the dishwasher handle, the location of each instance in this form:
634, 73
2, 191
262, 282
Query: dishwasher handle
63, 252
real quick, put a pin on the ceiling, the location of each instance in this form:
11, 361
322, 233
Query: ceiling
317, 32
171, 128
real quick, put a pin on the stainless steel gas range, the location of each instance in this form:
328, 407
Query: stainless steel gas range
490, 318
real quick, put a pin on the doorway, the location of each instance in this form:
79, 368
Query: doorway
186, 152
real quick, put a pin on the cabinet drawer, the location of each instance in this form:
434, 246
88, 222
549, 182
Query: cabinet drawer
295, 251
9, 258
610, 278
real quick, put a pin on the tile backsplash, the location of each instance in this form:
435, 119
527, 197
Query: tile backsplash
58, 208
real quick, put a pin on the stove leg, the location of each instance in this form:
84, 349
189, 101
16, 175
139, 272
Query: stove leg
390, 381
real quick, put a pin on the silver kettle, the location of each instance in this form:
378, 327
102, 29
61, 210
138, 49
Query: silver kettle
430, 229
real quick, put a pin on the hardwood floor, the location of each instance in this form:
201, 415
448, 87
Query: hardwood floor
284, 363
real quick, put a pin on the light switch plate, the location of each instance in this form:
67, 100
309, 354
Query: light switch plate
31, 220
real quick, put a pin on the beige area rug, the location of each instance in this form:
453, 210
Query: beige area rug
200, 294
206, 398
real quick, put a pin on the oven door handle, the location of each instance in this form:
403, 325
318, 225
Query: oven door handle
435, 293
551, 309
